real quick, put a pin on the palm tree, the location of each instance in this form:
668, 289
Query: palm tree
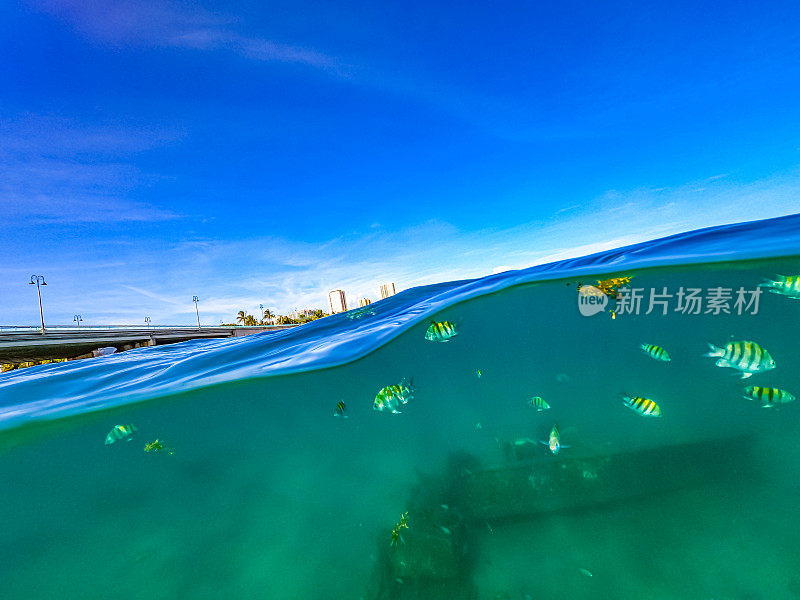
268, 316
241, 317
250, 320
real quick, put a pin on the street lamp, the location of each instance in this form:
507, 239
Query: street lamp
77, 319
39, 279
261, 306
147, 320
195, 299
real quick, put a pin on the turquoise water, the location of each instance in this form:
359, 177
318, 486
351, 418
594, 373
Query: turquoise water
268, 495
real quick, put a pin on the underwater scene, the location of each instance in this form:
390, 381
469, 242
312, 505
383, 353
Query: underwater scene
623, 426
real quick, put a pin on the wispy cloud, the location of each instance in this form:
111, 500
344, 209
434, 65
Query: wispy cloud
53, 170
283, 274
162, 23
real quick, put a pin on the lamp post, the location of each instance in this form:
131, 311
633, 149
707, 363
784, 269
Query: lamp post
195, 300
77, 319
261, 306
39, 279
147, 320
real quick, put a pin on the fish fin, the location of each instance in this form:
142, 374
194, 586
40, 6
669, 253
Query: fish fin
715, 351
544, 443
722, 363
562, 446
746, 375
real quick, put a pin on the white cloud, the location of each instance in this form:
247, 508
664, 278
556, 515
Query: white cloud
229, 276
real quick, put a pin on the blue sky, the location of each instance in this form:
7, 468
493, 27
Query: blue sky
265, 152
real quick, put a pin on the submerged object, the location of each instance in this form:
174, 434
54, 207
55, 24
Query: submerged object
643, 406
539, 404
656, 352
768, 396
121, 432
391, 397
339, 410
157, 446
785, 285
440, 331
745, 356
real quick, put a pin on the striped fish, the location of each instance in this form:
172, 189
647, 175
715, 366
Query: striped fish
643, 406
656, 352
539, 404
768, 396
745, 356
440, 331
121, 432
339, 410
391, 397
786, 285
554, 441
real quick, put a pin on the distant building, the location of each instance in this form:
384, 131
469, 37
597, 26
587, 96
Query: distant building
387, 289
337, 301
299, 314
364, 302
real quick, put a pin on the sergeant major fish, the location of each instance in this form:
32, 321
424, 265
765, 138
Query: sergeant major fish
745, 356
785, 285
768, 396
643, 406
391, 397
339, 410
121, 432
441, 331
554, 441
656, 352
539, 404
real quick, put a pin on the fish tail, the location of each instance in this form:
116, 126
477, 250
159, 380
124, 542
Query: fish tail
715, 351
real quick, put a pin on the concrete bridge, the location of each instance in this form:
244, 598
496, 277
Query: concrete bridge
26, 344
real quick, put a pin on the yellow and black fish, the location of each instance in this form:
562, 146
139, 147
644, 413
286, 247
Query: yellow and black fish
121, 432
340, 410
539, 404
768, 396
157, 446
391, 397
745, 356
785, 285
610, 287
441, 331
643, 406
401, 524
656, 352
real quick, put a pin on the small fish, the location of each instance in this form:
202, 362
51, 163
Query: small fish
656, 352
610, 287
643, 406
478, 426
539, 404
401, 524
478, 373
445, 530
586, 572
554, 441
785, 285
391, 397
744, 356
440, 331
768, 396
157, 446
340, 410
121, 432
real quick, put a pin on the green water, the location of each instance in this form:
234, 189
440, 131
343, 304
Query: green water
269, 496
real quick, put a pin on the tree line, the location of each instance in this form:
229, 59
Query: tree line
270, 318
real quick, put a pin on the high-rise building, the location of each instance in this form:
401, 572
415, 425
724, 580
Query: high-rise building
364, 302
337, 301
387, 289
